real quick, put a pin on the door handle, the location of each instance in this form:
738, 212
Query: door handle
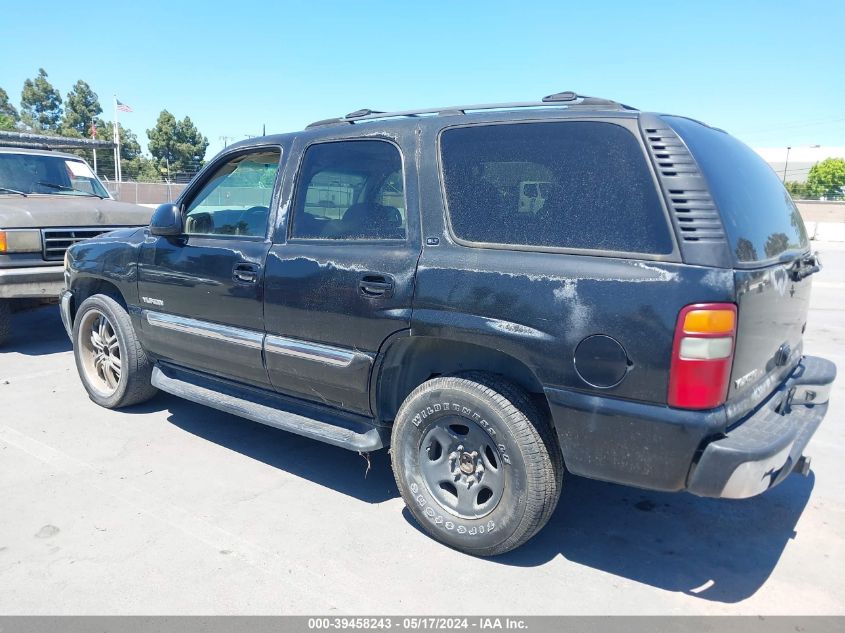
245, 273
375, 285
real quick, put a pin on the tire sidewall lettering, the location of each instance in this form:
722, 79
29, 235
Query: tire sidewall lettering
484, 530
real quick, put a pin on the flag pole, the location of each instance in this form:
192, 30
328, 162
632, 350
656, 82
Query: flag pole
94, 136
118, 174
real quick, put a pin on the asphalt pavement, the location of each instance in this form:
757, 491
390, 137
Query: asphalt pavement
174, 508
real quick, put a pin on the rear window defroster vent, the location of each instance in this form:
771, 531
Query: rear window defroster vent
686, 192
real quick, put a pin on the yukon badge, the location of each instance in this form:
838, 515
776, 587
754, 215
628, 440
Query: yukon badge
151, 301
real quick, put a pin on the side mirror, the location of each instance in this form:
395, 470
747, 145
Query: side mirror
166, 221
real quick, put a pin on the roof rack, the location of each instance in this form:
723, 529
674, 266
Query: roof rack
568, 99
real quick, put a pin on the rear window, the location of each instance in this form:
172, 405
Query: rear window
574, 185
760, 219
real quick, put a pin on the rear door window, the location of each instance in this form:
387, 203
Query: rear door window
760, 219
569, 185
350, 190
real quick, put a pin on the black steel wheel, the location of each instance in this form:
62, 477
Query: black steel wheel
476, 463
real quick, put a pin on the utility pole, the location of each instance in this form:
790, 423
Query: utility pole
225, 140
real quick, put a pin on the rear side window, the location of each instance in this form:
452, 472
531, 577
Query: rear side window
760, 219
350, 190
575, 184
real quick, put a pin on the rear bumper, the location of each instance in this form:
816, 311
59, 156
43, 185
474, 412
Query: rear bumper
31, 282
764, 448
660, 448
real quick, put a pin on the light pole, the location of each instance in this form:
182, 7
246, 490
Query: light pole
785, 164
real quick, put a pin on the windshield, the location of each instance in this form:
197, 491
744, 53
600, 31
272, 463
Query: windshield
48, 175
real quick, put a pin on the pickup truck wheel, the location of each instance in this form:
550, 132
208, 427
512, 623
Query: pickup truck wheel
112, 364
476, 463
5, 320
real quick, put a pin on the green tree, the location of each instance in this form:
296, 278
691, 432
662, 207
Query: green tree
41, 104
827, 178
798, 190
81, 107
176, 146
7, 123
7, 111
142, 169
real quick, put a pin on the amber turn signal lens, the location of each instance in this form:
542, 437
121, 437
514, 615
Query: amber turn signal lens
2, 241
709, 321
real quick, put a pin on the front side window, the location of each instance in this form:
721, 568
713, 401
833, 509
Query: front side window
573, 184
350, 190
236, 199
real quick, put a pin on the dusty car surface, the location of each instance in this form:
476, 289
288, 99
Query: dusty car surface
48, 201
502, 294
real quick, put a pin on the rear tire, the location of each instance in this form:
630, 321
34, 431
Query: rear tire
5, 319
112, 365
477, 464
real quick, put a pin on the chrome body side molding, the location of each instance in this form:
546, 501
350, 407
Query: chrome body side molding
317, 352
327, 354
205, 329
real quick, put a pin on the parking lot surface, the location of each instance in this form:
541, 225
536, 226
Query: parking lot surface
174, 508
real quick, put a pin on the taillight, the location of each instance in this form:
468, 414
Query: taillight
702, 355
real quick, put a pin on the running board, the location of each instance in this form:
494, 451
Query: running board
355, 433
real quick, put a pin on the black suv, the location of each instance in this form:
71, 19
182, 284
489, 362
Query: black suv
497, 292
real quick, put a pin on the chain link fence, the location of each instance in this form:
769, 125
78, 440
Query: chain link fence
144, 192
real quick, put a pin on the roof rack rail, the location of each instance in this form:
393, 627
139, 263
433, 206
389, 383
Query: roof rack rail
567, 99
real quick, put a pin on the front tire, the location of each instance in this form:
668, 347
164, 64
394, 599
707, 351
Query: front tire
476, 463
113, 366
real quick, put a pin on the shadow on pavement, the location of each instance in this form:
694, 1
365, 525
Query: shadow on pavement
717, 550
336, 468
37, 332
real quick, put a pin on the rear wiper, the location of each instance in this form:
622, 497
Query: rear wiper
13, 191
54, 185
805, 266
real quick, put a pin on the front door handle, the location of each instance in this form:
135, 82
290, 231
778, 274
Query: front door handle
245, 273
376, 285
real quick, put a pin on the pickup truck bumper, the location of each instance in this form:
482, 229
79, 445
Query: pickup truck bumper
65, 300
32, 282
661, 448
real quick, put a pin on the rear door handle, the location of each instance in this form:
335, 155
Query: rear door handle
245, 273
376, 285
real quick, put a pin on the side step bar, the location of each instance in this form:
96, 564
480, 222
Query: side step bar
355, 433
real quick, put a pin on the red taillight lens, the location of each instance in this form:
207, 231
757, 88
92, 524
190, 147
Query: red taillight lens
702, 355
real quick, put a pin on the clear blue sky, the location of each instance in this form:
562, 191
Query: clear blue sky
771, 73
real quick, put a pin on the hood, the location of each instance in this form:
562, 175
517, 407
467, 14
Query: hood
39, 211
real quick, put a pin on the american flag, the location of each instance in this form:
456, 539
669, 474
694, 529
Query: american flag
122, 106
